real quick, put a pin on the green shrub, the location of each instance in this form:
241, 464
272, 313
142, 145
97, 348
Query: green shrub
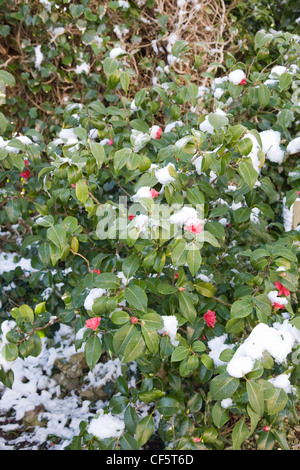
180, 241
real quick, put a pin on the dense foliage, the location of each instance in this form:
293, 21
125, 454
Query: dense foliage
155, 201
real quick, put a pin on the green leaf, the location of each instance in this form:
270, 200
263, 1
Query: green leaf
193, 258
121, 157
179, 353
204, 288
119, 317
144, 430
136, 297
152, 321
7, 78
130, 265
27, 313
241, 308
57, 235
9, 352
168, 407
180, 47
255, 396
135, 347
82, 191
98, 152
285, 80
217, 120
248, 173
110, 66
151, 338
179, 253
124, 81
93, 350
186, 307
220, 415
264, 95
277, 402
107, 281
239, 434
223, 386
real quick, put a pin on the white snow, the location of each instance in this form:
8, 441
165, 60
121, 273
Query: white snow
163, 175
106, 425
294, 146
217, 345
82, 68
278, 340
236, 76
92, 296
170, 328
10, 261
183, 215
39, 57
274, 298
116, 51
271, 145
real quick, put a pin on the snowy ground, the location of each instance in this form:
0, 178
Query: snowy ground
59, 412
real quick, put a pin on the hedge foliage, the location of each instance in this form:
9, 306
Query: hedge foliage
155, 202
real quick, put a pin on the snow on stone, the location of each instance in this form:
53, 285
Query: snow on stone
92, 296
294, 146
106, 426
170, 328
278, 340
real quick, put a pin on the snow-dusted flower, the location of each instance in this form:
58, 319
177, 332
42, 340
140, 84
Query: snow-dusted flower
144, 191
194, 226
277, 302
163, 175
155, 132
237, 77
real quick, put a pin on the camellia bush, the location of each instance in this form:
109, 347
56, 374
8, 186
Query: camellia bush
166, 217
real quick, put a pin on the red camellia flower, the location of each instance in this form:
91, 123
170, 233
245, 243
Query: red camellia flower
26, 162
194, 228
25, 174
210, 318
266, 428
243, 82
276, 305
181, 289
134, 320
282, 290
153, 193
197, 439
96, 271
93, 323
131, 216
110, 142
